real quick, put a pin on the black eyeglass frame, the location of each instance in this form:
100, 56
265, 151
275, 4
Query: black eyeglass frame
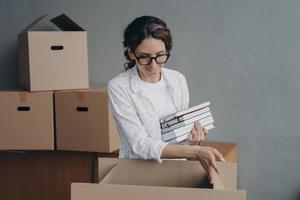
151, 58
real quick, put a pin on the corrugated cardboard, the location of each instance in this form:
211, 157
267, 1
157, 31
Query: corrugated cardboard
84, 121
53, 60
171, 179
26, 120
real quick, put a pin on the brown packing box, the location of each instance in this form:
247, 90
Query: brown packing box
53, 60
171, 179
26, 120
84, 121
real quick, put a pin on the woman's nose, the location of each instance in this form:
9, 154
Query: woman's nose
153, 63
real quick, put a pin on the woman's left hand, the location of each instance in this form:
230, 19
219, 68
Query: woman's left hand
198, 133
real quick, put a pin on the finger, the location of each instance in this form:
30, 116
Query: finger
209, 171
190, 137
212, 160
194, 134
197, 136
218, 155
205, 166
200, 130
198, 125
211, 174
205, 131
213, 163
194, 130
202, 135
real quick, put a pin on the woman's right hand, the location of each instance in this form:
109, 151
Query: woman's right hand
208, 156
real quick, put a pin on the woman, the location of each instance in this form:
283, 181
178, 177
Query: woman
146, 92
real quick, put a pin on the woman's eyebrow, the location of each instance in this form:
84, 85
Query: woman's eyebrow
148, 54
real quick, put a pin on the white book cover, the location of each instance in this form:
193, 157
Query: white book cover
184, 117
173, 134
185, 122
189, 110
185, 136
193, 114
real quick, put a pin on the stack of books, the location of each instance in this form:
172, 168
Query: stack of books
176, 127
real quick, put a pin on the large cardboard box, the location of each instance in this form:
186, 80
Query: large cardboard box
26, 120
53, 60
171, 179
84, 121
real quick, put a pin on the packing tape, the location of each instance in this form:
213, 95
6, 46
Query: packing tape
22, 97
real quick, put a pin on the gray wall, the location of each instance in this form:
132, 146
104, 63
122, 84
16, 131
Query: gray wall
241, 55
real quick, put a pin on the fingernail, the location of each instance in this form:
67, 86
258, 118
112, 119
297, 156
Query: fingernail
222, 159
211, 182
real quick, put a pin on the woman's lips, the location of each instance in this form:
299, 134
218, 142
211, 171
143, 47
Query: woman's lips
150, 71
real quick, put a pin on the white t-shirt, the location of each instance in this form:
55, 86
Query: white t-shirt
159, 96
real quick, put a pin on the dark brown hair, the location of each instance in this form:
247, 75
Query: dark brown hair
142, 28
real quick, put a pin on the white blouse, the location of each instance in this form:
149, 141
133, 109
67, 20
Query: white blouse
159, 96
135, 115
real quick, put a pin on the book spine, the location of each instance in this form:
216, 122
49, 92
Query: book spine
188, 129
194, 108
169, 123
184, 117
185, 122
185, 136
194, 114
189, 110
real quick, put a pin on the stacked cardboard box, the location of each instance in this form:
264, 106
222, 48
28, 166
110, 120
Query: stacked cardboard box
26, 120
84, 121
55, 62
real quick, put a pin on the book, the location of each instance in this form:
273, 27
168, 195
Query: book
185, 122
184, 117
180, 113
185, 136
187, 129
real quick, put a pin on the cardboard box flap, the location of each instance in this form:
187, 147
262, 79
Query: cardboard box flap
172, 173
105, 165
32, 24
65, 23
83, 191
62, 21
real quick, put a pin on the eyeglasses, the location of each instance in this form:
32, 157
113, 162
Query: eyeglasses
146, 60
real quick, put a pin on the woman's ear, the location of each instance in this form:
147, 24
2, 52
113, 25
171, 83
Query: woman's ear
131, 56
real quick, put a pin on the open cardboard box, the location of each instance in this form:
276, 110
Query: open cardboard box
171, 179
53, 60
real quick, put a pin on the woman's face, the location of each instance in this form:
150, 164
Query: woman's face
149, 47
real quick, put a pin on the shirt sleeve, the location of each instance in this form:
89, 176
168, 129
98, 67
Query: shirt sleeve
130, 125
185, 93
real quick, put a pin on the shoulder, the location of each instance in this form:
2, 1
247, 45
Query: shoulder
173, 74
122, 80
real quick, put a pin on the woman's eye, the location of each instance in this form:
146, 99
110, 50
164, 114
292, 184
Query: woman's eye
144, 57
